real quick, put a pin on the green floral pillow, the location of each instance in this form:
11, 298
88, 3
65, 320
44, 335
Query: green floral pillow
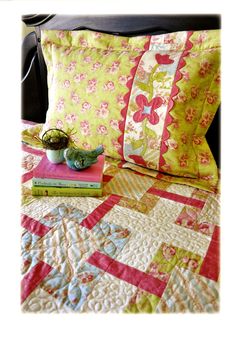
148, 99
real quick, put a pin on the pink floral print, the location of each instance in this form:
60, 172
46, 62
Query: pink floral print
206, 119
153, 143
59, 124
83, 42
85, 107
66, 84
96, 66
103, 112
87, 59
86, 278
71, 67
185, 75
104, 105
211, 97
71, 118
102, 130
169, 39
201, 38
28, 162
184, 138
194, 91
171, 144
205, 69
110, 86
197, 139
188, 218
204, 158
125, 44
120, 100
147, 109
168, 252
114, 124
181, 98
153, 270
79, 77
183, 161
85, 130
175, 123
190, 114
114, 67
130, 126
116, 144
60, 106
191, 263
91, 87
206, 228
207, 178
75, 98
123, 79
141, 72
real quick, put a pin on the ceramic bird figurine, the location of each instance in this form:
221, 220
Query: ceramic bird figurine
78, 159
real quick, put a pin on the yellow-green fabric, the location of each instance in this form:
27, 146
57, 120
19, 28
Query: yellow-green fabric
149, 99
87, 77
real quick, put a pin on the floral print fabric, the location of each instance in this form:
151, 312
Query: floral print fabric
87, 77
149, 100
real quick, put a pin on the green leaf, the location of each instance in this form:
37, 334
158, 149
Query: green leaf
143, 86
137, 144
149, 132
159, 76
153, 72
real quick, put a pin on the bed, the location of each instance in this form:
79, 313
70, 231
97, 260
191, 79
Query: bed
150, 244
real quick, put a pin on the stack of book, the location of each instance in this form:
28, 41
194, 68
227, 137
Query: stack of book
59, 180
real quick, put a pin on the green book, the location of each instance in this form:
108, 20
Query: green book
66, 191
53, 182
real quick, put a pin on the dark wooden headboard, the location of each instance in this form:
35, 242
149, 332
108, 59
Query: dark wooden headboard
34, 72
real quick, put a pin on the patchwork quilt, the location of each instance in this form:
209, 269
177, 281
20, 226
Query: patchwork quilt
145, 246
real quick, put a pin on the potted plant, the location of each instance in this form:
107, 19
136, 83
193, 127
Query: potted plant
55, 141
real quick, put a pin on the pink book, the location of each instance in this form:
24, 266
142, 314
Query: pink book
46, 169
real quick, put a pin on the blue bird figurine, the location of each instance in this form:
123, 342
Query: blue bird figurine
78, 159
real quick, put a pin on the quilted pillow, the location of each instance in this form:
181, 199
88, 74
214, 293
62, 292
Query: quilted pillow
148, 99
